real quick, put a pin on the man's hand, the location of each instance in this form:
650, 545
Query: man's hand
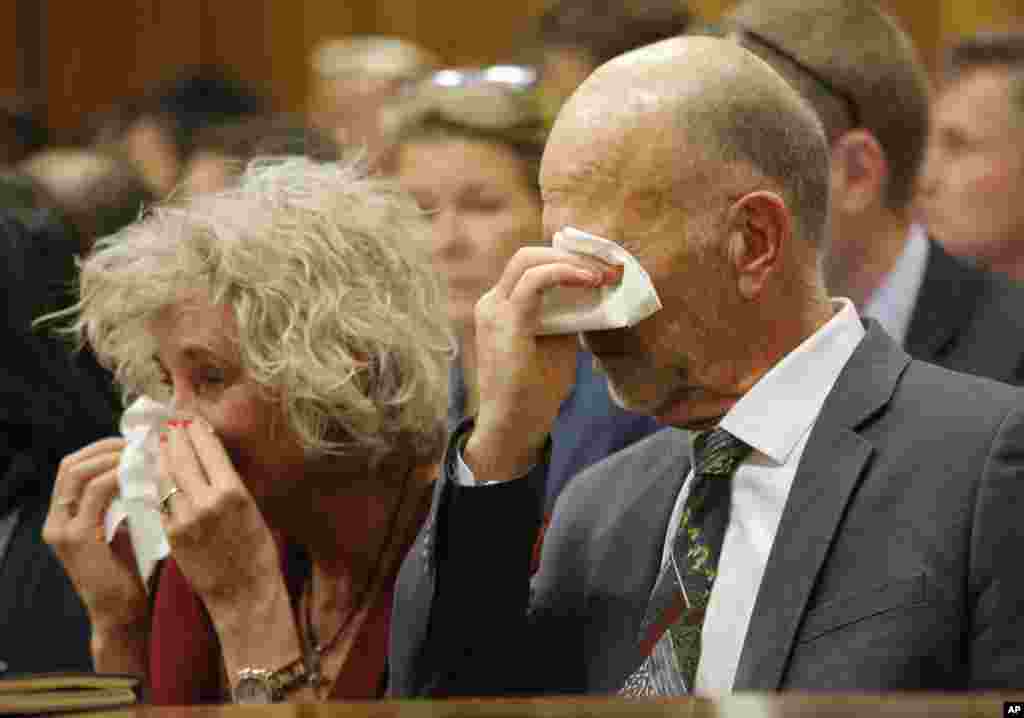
524, 378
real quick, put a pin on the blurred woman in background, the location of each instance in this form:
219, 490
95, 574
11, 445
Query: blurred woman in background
467, 144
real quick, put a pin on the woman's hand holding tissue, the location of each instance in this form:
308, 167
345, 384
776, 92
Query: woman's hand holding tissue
523, 377
105, 575
218, 536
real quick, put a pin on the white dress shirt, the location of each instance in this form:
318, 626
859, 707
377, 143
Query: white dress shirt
892, 304
774, 417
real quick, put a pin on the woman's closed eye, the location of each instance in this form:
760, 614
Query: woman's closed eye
203, 379
483, 202
211, 377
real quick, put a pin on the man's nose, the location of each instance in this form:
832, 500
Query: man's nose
928, 178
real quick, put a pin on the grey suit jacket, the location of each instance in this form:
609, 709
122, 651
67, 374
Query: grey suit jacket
895, 565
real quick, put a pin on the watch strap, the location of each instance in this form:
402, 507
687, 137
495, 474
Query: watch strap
279, 681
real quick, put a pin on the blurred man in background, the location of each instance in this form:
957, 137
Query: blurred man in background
21, 132
96, 193
354, 77
220, 153
975, 162
573, 37
850, 61
157, 131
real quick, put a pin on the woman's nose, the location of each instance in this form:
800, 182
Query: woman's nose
182, 399
450, 236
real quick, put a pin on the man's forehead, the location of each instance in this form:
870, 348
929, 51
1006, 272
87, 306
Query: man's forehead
580, 167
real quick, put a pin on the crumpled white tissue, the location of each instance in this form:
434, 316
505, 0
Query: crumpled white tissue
139, 501
568, 310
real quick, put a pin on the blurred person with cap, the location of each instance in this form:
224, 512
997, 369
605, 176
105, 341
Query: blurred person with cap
974, 166
863, 77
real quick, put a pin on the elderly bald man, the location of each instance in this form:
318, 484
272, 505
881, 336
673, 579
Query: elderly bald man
823, 512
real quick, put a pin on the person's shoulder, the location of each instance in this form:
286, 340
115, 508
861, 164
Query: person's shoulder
623, 476
936, 394
999, 294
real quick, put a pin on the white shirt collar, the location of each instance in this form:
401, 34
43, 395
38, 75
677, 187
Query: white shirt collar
892, 304
783, 405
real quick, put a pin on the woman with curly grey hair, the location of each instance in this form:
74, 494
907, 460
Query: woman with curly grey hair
300, 341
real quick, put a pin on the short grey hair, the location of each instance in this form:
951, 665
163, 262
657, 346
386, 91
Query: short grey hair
340, 318
856, 66
769, 127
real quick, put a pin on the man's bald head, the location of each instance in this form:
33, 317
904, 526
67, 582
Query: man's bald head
719, 109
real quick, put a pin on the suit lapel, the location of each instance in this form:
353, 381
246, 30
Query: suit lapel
832, 465
948, 297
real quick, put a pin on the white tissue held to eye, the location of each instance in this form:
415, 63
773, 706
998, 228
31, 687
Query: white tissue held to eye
568, 310
139, 499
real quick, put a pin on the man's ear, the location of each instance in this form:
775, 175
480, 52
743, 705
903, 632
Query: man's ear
759, 224
859, 172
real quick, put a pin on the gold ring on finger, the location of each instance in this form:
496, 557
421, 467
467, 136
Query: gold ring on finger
69, 505
165, 506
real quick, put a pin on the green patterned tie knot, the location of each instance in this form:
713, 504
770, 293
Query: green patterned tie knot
717, 453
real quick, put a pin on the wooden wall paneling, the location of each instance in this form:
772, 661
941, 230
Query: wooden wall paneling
923, 22
965, 18
234, 35
97, 54
462, 32
10, 45
293, 29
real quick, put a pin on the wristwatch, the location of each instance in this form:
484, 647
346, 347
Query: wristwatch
258, 685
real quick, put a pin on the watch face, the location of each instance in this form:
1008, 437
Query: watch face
253, 690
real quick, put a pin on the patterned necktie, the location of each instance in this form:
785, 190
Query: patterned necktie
682, 591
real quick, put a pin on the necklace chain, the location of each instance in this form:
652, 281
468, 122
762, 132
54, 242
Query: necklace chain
314, 650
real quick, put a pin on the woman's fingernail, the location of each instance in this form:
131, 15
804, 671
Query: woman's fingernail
186, 423
163, 438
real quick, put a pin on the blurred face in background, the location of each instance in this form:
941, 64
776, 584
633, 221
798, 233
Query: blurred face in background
482, 206
209, 172
150, 146
348, 108
974, 169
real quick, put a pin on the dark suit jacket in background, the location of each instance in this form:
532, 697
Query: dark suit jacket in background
895, 565
968, 320
51, 403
